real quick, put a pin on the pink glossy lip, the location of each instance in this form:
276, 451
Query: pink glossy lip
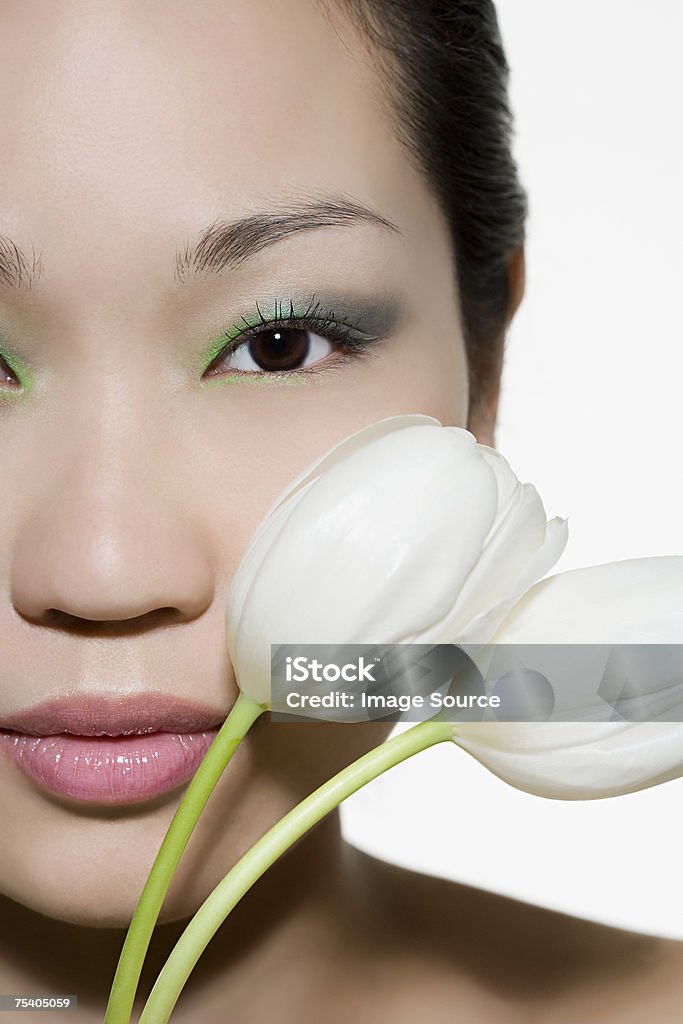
110, 749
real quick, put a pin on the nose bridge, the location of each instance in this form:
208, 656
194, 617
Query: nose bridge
108, 534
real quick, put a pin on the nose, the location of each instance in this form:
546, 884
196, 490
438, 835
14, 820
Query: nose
108, 541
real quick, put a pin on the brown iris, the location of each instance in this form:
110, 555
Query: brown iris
280, 349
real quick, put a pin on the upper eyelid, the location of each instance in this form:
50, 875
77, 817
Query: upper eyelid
312, 314
370, 318
262, 326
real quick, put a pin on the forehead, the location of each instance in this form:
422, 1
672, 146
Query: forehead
118, 117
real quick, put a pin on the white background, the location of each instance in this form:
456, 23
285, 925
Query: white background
591, 414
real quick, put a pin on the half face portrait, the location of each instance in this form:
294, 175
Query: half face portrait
226, 244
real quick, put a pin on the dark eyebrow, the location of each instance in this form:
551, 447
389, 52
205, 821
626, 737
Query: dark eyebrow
17, 270
225, 244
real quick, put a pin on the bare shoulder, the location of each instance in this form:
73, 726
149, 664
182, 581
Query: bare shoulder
497, 958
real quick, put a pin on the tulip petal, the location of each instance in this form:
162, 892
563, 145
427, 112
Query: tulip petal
576, 760
278, 512
475, 617
359, 439
635, 601
520, 547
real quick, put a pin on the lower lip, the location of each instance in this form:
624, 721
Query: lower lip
109, 770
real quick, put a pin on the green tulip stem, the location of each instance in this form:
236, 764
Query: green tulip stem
125, 984
266, 851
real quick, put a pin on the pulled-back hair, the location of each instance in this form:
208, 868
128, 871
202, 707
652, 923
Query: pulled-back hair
448, 81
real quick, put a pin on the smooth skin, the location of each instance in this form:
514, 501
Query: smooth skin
132, 481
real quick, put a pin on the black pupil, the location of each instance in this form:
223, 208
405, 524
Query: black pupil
280, 349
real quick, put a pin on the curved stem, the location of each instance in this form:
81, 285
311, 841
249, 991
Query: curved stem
265, 852
124, 987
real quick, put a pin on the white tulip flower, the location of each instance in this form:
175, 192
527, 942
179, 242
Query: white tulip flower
407, 531
636, 601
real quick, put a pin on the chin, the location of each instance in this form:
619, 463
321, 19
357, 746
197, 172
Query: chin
88, 873
88, 866
97, 908
96, 883
71, 907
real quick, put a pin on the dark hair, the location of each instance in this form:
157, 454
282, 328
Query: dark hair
448, 77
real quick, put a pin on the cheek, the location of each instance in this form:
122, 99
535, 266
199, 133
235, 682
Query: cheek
421, 370
429, 375
267, 434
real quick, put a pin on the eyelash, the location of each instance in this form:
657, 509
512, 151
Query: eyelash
326, 324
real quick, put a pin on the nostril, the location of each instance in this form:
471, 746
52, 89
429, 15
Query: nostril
157, 618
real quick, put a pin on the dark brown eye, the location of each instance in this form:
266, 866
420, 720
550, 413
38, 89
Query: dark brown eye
7, 378
280, 348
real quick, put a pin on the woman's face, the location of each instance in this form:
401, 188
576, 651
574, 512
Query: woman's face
136, 458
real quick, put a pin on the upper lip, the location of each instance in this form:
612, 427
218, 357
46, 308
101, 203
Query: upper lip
121, 714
